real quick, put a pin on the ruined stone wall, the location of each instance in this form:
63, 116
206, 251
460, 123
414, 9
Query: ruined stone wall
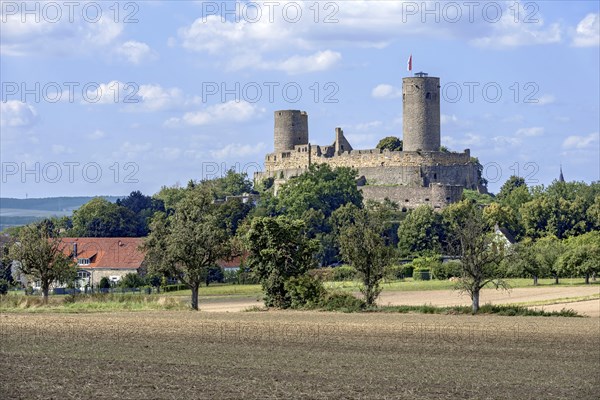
435, 196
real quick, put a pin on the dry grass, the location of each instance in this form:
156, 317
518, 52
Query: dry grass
308, 355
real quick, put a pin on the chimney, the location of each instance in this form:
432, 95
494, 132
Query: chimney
74, 250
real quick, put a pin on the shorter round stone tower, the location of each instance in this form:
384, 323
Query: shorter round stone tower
421, 113
291, 129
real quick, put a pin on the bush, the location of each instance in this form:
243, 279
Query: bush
132, 280
447, 270
344, 273
395, 272
304, 291
104, 283
342, 301
3, 286
325, 274
421, 274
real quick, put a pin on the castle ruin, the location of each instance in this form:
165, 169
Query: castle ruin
419, 174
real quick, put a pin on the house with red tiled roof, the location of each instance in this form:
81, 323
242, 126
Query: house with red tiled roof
104, 257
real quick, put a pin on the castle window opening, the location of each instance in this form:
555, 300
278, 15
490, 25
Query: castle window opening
434, 176
447, 198
426, 199
428, 96
406, 201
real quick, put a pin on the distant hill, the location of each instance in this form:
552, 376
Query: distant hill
16, 212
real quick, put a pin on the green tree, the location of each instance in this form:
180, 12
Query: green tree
143, 207
101, 218
526, 260
479, 250
362, 245
422, 231
131, 281
582, 256
509, 186
39, 253
188, 242
279, 250
391, 143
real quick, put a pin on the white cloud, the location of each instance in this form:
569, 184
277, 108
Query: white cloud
61, 149
366, 126
16, 114
136, 52
587, 33
129, 151
533, 131
320, 61
545, 99
522, 28
468, 139
233, 150
385, 91
155, 98
231, 111
96, 135
581, 142
33, 34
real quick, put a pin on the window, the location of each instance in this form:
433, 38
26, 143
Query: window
428, 96
426, 199
83, 274
83, 261
434, 176
447, 198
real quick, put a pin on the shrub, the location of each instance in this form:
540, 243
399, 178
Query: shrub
104, 283
3, 286
421, 274
304, 291
344, 273
132, 280
342, 301
394, 272
325, 274
447, 270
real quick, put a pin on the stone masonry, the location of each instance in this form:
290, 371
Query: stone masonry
420, 174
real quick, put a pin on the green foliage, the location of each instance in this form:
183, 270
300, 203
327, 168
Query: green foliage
143, 207
397, 272
480, 198
478, 248
101, 218
391, 143
279, 250
582, 256
4, 285
509, 186
362, 244
186, 243
421, 274
344, 273
304, 291
342, 301
324, 274
38, 251
482, 180
131, 280
421, 231
104, 283
446, 270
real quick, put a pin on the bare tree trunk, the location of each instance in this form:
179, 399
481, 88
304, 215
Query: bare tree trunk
475, 298
556, 279
45, 291
195, 296
587, 279
535, 280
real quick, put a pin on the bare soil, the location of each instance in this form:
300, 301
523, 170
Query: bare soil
296, 355
447, 298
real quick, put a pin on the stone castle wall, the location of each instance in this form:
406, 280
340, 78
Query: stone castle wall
436, 196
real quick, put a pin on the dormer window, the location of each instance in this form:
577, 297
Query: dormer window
83, 261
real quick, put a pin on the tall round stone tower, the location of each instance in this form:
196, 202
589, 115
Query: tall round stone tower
291, 129
421, 113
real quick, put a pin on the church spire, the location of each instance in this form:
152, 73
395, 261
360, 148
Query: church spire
561, 178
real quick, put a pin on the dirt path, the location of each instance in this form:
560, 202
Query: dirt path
518, 295
446, 298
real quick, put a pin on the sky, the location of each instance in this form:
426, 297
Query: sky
104, 98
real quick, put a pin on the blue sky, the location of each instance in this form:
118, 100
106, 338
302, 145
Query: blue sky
107, 98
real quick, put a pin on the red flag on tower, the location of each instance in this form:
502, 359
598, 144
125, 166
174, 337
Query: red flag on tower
409, 64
